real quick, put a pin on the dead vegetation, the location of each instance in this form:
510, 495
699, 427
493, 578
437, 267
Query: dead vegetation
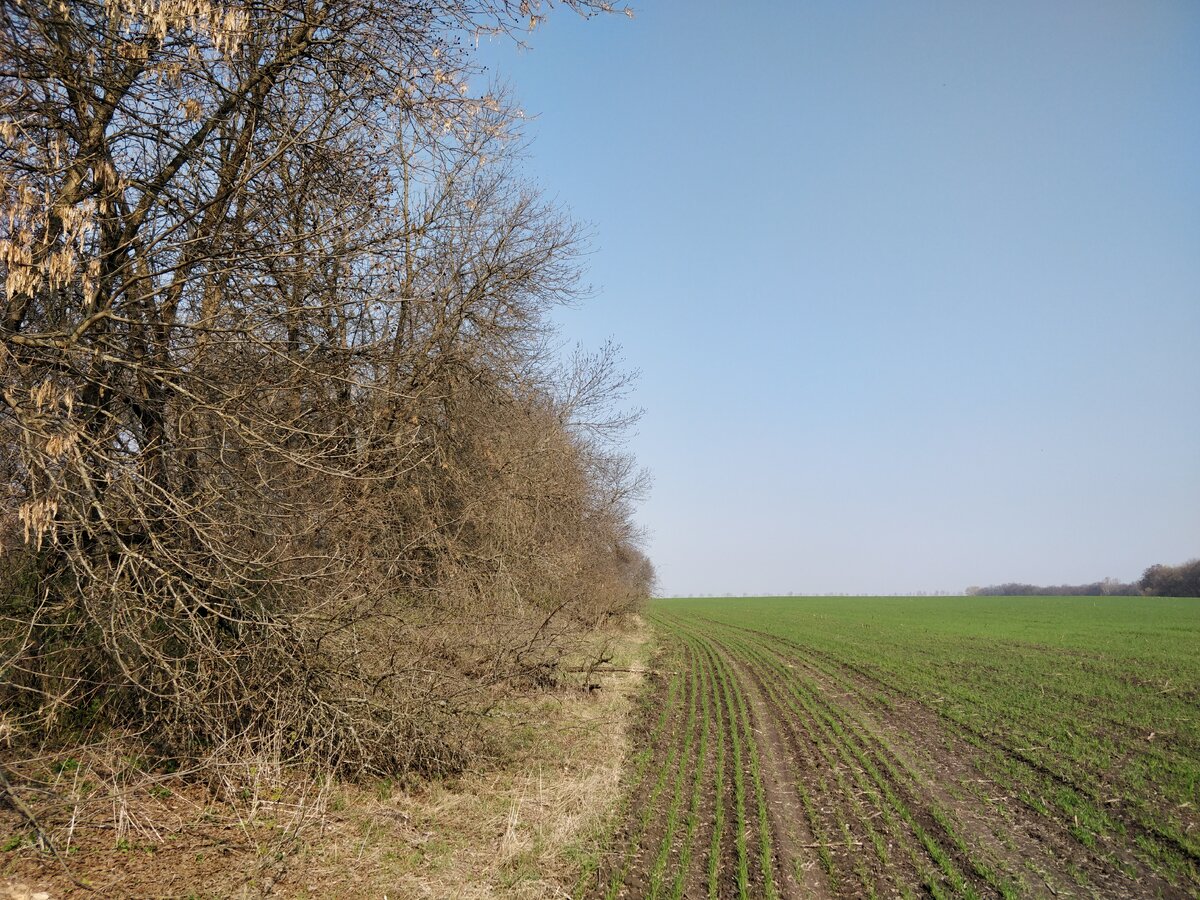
520, 823
290, 477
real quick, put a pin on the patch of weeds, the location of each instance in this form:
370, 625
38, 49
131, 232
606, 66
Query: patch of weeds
368, 829
519, 870
13, 842
385, 788
405, 860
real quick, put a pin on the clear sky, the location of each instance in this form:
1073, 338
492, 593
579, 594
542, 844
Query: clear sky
914, 288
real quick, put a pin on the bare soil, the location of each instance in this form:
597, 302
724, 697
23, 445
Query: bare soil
796, 861
869, 793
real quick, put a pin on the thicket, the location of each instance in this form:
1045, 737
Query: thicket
288, 466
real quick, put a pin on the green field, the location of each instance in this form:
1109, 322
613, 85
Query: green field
864, 746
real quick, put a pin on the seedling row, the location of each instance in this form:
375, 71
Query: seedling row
850, 747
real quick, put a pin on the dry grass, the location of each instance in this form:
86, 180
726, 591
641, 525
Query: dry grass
520, 825
519, 828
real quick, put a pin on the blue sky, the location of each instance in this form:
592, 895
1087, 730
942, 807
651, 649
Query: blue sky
914, 288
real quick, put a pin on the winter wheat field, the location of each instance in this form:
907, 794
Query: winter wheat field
904, 747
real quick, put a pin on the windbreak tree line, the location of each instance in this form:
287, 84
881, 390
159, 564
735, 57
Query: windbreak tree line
287, 465
1159, 580
1182, 580
1109, 587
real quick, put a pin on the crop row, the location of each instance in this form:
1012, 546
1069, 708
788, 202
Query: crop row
810, 755
693, 821
1086, 762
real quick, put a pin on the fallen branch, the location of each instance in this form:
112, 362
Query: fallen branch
43, 839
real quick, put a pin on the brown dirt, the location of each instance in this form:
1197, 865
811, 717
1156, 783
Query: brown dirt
694, 877
872, 793
818, 767
861, 681
946, 772
634, 850
642, 862
187, 843
728, 865
796, 869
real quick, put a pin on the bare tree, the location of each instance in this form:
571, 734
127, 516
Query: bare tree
287, 469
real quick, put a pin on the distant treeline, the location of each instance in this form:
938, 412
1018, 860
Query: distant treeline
1157, 581
1107, 587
